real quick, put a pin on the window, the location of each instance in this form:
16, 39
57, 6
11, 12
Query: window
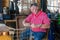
53, 5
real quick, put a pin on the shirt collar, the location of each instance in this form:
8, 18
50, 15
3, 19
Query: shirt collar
39, 12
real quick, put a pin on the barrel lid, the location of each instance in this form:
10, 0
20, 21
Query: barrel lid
3, 28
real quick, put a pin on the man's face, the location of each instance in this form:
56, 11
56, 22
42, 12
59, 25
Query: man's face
34, 9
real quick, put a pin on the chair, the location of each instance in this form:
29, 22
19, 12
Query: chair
46, 36
19, 26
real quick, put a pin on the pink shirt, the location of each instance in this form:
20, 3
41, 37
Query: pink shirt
39, 18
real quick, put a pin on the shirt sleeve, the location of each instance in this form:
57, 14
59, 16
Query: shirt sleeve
28, 18
46, 20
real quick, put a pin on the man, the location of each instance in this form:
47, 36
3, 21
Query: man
37, 21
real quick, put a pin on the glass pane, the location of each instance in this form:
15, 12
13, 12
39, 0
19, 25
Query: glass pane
25, 1
52, 5
25, 6
29, 1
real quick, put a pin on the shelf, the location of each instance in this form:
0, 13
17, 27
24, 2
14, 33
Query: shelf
9, 21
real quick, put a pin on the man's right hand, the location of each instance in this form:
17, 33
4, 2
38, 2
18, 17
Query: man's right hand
35, 25
26, 24
32, 25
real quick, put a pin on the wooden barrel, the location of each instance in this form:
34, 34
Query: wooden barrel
0, 33
5, 36
5, 33
5, 3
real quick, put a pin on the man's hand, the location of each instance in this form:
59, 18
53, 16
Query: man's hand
26, 24
32, 25
35, 25
45, 26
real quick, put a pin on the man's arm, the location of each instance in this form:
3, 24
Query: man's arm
45, 26
25, 23
27, 20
